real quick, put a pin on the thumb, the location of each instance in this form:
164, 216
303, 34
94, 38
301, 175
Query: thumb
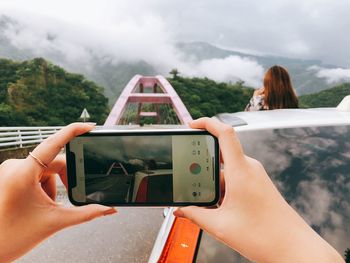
70, 216
203, 217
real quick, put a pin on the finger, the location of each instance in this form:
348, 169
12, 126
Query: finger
70, 216
49, 185
229, 143
222, 187
57, 166
48, 178
50, 147
202, 217
221, 158
211, 125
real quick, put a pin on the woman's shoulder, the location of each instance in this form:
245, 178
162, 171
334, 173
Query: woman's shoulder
256, 103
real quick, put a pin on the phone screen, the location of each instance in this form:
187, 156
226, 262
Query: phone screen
159, 169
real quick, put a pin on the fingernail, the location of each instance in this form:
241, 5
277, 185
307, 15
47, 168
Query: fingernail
110, 211
91, 123
178, 213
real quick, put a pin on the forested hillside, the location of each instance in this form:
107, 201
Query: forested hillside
205, 97
36, 92
326, 98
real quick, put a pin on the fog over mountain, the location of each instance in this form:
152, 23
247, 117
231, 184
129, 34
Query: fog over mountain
110, 43
308, 76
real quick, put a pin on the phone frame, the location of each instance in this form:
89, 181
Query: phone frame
71, 165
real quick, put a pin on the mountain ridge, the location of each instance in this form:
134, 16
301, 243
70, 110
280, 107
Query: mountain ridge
113, 76
303, 78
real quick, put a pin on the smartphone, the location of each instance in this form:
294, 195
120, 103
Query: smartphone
144, 168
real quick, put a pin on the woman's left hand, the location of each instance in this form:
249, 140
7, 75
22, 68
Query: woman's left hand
28, 212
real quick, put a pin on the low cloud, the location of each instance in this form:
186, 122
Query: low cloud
232, 68
333, 75
144, 37
128, 41
314, 202
318, 33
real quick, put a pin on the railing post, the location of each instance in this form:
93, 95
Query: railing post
40, 135
20, 138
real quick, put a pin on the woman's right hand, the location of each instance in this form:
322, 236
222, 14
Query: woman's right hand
253, 217
259, 92
28, 211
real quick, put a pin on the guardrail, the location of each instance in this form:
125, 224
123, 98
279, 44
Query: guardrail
18, 137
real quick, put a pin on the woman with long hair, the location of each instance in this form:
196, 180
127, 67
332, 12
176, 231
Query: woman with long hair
277, 93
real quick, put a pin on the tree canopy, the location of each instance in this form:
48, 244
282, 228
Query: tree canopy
36, 92
174, 72
325, 98
205, 97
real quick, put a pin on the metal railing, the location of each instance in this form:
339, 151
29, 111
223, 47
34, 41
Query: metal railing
18, 137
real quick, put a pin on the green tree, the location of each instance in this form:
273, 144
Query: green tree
174, 72
347, 255
205, 97
240, 83
36, 92
325, 98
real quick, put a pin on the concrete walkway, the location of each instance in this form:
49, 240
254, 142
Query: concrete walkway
127, 236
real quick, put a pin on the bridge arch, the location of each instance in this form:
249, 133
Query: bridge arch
151, 90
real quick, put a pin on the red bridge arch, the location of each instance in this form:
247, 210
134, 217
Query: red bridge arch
153, 90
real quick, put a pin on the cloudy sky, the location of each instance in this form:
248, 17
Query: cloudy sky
133, 30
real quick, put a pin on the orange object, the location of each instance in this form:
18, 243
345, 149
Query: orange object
181, 243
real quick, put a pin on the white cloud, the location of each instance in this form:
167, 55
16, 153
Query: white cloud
144, 38
231, 68
314, 201
126, 149
125, 38
332, 75
318, 33
138, 30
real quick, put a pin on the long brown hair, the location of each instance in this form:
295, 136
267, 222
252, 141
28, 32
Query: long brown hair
278, 89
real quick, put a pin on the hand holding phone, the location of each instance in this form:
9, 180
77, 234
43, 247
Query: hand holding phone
144, 168
253, 218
